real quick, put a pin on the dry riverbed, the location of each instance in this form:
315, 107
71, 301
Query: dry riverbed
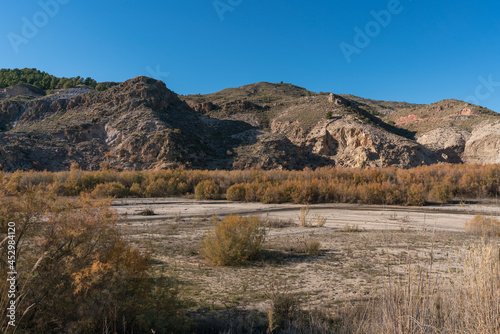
360, 247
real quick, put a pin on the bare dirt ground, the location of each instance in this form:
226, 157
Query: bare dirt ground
360, 247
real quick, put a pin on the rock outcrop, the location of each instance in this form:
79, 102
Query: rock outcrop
448, 143
483, 145
350, 142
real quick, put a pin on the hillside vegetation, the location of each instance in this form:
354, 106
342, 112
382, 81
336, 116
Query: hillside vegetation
43, 80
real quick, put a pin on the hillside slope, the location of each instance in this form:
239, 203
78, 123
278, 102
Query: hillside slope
441, 132
141, 124
455, 130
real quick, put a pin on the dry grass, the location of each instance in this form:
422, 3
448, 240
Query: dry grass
304, 216
483, 226
422, 302
351, 228
320, 220
371, 282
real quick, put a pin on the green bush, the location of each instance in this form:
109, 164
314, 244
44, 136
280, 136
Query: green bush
235, 240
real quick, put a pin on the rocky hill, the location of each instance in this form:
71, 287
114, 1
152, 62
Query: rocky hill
455, 130
353, 131
141, 124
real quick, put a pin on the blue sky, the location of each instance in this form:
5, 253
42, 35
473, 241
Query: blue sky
424, 51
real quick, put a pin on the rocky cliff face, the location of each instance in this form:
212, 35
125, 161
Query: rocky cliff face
140, 124
483, 146
351, 142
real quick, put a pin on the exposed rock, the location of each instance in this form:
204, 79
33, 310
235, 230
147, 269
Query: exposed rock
203, 108
337, 100
352, 143
448, 143
24, 90
484, 145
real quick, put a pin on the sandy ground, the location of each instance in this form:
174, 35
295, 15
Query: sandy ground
360, 247
446, 217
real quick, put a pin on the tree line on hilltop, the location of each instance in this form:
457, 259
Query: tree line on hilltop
45, 81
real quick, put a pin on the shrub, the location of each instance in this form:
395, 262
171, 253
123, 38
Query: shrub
306, 246
77, 273
207, 189
236, 193
136, 190
235, 240
484, 226
284, 307
111, 189
312, 247
157, 188
147, 212
415, 195
441, 193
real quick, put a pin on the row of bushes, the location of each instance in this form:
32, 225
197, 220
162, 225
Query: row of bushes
437, 183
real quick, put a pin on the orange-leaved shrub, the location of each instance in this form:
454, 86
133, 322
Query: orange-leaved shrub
109, 189
234, 240
76, 273
236, 193
207, 189
392, 186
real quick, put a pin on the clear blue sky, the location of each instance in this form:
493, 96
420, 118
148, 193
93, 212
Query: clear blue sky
430, 50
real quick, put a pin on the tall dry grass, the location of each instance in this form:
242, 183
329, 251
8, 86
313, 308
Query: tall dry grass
467, 301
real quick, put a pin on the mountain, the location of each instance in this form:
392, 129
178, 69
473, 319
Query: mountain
358, 132
141, 124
